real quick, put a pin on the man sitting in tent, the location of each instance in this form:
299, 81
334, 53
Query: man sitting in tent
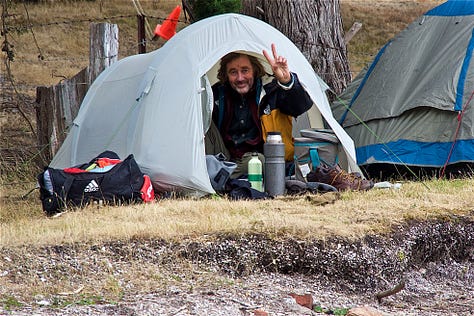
248, 103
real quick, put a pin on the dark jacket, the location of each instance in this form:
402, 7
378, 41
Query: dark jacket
270, 107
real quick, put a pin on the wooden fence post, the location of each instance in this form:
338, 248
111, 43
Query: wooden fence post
141, 34
45, 122
104, 48
352, 31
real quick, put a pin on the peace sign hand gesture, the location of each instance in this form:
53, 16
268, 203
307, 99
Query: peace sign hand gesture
279, 66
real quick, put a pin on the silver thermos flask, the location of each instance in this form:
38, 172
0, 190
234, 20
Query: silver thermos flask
274, 167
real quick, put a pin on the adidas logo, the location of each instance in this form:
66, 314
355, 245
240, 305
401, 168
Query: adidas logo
91, 187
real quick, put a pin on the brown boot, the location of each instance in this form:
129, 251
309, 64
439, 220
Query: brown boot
339, 178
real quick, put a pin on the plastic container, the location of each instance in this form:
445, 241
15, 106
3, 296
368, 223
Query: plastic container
315, 146
274, 151
255, 173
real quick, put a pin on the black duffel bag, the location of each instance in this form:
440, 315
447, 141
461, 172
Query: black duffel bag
118, 182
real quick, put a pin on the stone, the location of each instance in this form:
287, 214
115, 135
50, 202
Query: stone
305, 300
364, 311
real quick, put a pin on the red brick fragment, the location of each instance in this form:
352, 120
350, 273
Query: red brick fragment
259, 312
305, 300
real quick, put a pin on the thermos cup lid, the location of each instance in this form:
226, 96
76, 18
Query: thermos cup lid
274, 137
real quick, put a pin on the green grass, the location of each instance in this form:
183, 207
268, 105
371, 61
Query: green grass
331, 311
10, 302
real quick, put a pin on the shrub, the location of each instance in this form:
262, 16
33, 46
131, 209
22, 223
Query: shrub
206, 8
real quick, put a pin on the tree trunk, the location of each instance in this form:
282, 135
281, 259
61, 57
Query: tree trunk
315, 26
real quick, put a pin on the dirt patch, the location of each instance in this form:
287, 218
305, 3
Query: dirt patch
235, 275
351, 262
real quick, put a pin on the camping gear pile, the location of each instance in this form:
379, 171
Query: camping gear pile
315, 169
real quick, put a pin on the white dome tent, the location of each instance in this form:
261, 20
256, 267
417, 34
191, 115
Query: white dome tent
157, 106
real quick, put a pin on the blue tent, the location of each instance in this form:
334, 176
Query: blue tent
413, 105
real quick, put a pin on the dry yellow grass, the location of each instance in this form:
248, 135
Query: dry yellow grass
350, 215
381, 21
60, 34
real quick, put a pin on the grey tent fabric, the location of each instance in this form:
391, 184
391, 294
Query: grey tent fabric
405, 107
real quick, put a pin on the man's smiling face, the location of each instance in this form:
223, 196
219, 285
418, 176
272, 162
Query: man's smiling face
240, 74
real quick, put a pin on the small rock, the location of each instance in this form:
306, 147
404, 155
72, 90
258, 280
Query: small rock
363, 311
305, 300
43, 303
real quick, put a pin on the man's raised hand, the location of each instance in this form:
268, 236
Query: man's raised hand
279, 65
